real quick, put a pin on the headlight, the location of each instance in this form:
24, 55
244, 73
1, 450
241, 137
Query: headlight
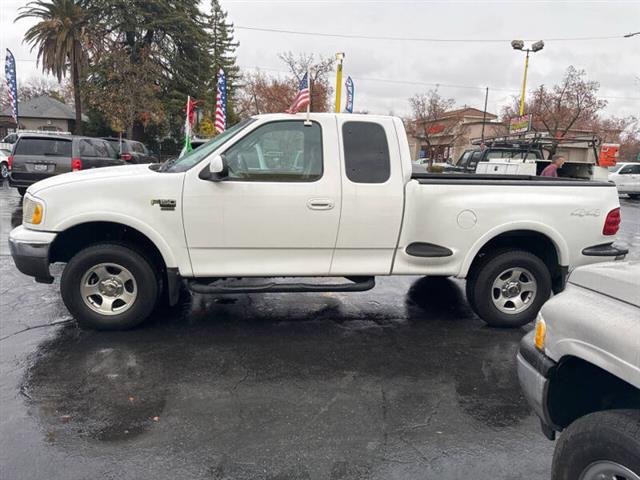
32, 211
541, 333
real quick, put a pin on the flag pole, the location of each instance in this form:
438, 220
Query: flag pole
307, 122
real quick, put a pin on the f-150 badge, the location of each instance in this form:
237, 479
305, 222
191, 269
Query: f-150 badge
165, 204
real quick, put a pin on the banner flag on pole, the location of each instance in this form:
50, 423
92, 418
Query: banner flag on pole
350, 93
221, 103
190, 119
12, 84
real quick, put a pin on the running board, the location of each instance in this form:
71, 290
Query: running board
358, 284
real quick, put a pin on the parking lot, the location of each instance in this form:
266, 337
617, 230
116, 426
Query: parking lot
399, 382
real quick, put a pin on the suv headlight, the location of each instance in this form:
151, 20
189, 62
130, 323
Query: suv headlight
32, 211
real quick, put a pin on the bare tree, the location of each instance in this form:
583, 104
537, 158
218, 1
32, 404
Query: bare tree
319, 71
260, 93
427, 109
571, 104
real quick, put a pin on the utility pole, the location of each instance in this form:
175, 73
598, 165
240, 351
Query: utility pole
484, 113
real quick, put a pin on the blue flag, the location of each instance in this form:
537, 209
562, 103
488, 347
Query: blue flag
350, 92
12, 84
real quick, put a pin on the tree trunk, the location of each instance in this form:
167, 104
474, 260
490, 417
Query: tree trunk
75, 73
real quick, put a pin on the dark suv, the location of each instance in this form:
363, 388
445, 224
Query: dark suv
132, 151
39, 156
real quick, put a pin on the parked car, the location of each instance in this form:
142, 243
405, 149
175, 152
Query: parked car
273, 197
4, 163
39, 156
580, 371
131, 151
626, 176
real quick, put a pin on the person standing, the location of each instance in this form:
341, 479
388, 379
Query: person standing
551, 170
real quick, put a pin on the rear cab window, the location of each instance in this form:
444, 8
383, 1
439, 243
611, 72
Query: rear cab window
55, 147
366, 152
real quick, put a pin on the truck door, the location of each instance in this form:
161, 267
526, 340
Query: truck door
372, 197
278, 211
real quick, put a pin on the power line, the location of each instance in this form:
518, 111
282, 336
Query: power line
423, 39
429, 84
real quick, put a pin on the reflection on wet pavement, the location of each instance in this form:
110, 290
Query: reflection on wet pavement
399, 382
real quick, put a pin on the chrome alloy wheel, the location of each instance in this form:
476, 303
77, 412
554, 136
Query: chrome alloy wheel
607, 470
513, 290
108, 289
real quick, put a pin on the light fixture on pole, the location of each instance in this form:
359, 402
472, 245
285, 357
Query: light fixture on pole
340, 59
536, 47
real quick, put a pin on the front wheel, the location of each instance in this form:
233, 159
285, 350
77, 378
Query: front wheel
599, 445
507, 288
109, 287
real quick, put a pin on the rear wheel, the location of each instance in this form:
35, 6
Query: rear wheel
4, 170
109, 287
508, 287
601, 445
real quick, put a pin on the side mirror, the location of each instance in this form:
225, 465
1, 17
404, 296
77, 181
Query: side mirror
217, 170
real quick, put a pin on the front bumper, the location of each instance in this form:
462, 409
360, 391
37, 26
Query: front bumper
30, 252
534, 372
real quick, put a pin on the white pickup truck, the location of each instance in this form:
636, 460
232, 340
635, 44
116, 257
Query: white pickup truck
276, 196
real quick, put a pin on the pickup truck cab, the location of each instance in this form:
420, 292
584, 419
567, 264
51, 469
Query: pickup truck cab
580, 371
335, 196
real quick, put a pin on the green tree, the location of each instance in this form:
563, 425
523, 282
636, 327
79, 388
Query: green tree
168, 39
222, 49
61, 39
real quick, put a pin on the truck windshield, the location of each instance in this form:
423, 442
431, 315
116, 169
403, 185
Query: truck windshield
194, 157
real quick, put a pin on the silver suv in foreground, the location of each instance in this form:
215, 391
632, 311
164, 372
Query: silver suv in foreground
580, 371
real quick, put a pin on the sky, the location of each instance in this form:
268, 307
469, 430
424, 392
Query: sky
387, 72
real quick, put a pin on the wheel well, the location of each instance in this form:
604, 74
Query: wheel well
534, 242
78, 237
578, 388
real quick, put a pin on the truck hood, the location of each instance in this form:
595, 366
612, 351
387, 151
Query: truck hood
620, 280
92, 174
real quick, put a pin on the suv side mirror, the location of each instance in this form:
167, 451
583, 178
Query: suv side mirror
217, 171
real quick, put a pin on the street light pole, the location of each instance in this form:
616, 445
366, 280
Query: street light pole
536, 47
340, 58
524, 83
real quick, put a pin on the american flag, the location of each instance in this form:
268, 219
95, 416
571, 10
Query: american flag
221, 103
303, 98
12, 84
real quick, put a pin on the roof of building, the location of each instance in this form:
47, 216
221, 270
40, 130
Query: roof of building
43, 107
468, 112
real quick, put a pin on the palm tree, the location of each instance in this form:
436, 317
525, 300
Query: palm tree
60, 36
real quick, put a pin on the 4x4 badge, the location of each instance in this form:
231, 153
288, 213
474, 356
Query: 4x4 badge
165, 204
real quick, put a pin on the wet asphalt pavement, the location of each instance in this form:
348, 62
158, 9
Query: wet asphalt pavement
400, 382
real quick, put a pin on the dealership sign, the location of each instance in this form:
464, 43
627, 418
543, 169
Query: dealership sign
520, 124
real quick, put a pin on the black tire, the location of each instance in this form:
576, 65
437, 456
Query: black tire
22, 191
4, 170
142, 270
480, 282
612, 435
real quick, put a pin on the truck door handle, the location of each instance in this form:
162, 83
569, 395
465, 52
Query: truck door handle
320, 204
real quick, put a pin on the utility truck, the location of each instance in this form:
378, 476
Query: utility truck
333, 195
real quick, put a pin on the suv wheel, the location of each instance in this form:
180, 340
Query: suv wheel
109, 287
507, 288
599, 445
4, 170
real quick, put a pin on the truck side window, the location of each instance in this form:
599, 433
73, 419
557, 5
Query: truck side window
366, 152
285, 151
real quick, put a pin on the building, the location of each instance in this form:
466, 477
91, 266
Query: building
40, 113
451, 134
